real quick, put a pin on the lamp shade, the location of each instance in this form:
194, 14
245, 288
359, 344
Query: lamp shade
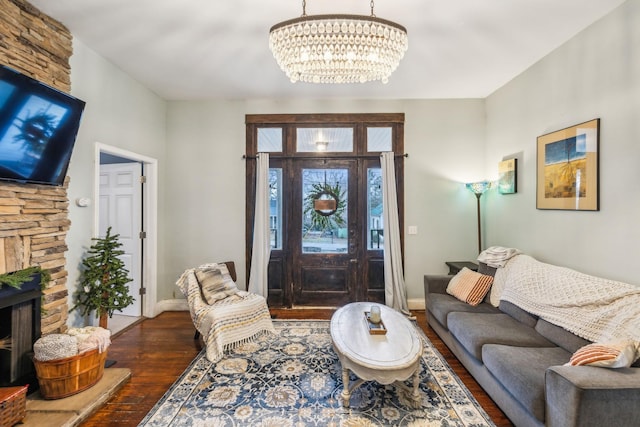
478, 187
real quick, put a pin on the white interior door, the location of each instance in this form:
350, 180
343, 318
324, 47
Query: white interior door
120, 206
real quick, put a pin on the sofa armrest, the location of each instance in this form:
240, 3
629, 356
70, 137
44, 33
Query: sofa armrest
591, 396
435, 284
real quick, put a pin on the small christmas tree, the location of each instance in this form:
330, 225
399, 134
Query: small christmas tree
103, 282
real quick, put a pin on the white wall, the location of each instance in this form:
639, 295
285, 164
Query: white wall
119, 112
594, 75
445, 142
206, 180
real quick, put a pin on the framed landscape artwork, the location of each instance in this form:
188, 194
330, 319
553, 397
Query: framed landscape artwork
567, 168
507, 176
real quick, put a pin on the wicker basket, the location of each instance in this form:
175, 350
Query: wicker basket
13, 403
65, 377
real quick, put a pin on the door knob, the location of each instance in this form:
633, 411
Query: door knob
353, 261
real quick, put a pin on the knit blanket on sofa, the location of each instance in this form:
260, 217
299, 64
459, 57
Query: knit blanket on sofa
593, 308
228, 323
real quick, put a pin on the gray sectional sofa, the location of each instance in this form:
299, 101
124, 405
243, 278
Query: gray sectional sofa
518, 360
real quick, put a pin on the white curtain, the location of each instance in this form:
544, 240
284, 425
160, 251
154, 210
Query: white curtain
395, 290
261, 251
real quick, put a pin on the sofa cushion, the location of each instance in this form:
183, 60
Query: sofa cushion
517, 313
560, 336
469, 286
473, 330
440, 305
521, 370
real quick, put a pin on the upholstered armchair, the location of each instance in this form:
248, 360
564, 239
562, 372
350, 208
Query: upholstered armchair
224, 315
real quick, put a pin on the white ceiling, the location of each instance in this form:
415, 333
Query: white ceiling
203, 49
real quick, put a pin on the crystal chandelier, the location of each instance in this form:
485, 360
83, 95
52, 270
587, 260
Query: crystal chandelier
338, 48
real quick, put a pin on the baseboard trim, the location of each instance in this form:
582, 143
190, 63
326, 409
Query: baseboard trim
416, 303
176, 304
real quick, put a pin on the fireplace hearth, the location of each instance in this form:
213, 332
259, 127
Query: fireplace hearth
20, 325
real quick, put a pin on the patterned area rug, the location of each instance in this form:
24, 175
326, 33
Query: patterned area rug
293, 379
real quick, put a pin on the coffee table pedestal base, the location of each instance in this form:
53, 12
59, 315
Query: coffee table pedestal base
349, 388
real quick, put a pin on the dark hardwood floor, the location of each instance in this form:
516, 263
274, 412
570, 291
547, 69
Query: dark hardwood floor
158, 350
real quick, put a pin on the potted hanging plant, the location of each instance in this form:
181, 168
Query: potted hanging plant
103, 281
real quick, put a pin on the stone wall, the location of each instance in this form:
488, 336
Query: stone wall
35, 44
34, 218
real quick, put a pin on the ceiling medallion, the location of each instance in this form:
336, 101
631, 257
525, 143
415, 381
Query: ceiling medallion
338, 48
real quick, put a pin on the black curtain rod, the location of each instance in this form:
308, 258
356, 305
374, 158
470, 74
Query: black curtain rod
361, 156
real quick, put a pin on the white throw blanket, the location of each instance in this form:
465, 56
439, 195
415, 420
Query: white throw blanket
596, 309
91, 337
497, 256
230, 322
499, 282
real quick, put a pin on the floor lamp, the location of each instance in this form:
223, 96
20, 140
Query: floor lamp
478, 188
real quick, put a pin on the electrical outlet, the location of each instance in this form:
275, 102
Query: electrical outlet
413, 229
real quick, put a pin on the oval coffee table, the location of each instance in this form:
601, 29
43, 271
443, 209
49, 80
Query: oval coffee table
386, 359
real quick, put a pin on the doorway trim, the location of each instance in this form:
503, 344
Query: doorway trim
284, 152
149, 220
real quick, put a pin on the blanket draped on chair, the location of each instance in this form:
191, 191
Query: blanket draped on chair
228, 323
593, 308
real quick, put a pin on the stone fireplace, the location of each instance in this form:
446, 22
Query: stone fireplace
33, 226
34, 218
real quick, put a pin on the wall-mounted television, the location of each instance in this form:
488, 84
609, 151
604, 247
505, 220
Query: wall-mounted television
38, 128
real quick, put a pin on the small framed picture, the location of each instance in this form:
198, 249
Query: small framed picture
508, 176
567, 168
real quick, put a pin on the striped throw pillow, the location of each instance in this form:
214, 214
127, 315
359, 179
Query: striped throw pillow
215, 283
469, 286
620, 354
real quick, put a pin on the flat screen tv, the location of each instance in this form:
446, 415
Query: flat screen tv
38, 128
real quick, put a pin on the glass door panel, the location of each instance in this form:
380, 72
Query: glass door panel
325, 210
275, 207
375, 233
